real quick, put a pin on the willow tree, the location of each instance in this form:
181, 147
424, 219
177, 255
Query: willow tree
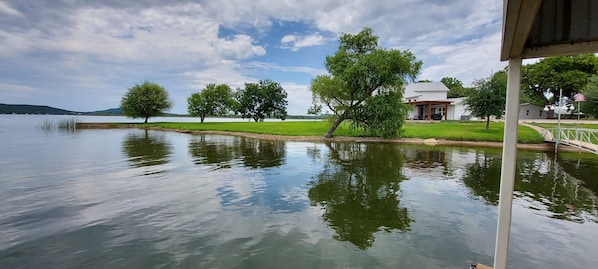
359, 71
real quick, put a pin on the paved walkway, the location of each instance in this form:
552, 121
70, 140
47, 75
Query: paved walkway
545, 133
548, 137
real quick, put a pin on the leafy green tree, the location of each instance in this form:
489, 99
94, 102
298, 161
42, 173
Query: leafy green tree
456, 88
315, 109
145, 100
214, 100
382, 115
260, 100
553, 189
544, 80
146, 149
248, 152
359, 191
358, 70
490, 97
590, 106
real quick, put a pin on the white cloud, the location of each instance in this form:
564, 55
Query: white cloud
97, 50
6, 9
286, 68
238, 48
224, 73
468, 61
17, 91
296, 42
299, 97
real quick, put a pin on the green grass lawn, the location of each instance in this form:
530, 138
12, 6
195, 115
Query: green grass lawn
468, 131
566, 125
450, 130
290, 128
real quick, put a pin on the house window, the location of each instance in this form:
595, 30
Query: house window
527, 112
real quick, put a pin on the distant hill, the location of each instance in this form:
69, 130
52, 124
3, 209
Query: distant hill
106, 112
32, 109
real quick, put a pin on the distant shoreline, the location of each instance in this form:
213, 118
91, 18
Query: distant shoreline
430, 142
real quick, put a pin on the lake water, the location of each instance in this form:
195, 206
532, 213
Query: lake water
131, 198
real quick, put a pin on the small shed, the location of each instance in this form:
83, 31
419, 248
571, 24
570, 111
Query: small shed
529, 111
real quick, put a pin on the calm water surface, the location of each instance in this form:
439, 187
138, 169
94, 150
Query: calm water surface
149, 199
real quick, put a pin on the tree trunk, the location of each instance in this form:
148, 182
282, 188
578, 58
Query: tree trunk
146, 119
201, 118
487, 122
334, 126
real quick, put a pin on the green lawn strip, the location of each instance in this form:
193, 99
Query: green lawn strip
450, 130
467, 131
290, 128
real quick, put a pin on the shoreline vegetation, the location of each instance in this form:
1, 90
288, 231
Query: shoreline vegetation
453, 133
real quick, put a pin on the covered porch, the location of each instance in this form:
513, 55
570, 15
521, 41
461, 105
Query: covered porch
424, 110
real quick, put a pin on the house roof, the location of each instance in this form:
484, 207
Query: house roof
431, 102
542, 28
456, 101
426, 87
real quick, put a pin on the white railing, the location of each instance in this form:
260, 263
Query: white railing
582, 138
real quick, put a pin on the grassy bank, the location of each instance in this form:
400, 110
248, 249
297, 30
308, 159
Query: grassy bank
468, 131
449, 130
566, 125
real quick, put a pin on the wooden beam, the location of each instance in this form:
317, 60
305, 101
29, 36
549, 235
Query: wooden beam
519, 17
430, 111
561, 49
527, 16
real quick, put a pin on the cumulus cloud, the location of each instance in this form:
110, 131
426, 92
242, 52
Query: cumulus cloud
240, 47
94, 50
296, 42
299, 97
7, 10
468, 61
286, 68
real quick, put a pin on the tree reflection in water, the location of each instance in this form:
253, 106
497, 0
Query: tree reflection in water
358, 189
540, 181
145, 149
225, 151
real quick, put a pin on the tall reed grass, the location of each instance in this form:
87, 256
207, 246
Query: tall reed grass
68, 125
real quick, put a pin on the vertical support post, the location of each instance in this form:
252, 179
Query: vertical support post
558, 127
446, 112
429, 111
509, 160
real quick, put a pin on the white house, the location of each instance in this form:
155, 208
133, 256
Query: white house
429, 102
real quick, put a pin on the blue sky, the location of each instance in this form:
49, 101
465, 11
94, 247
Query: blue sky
84, 55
